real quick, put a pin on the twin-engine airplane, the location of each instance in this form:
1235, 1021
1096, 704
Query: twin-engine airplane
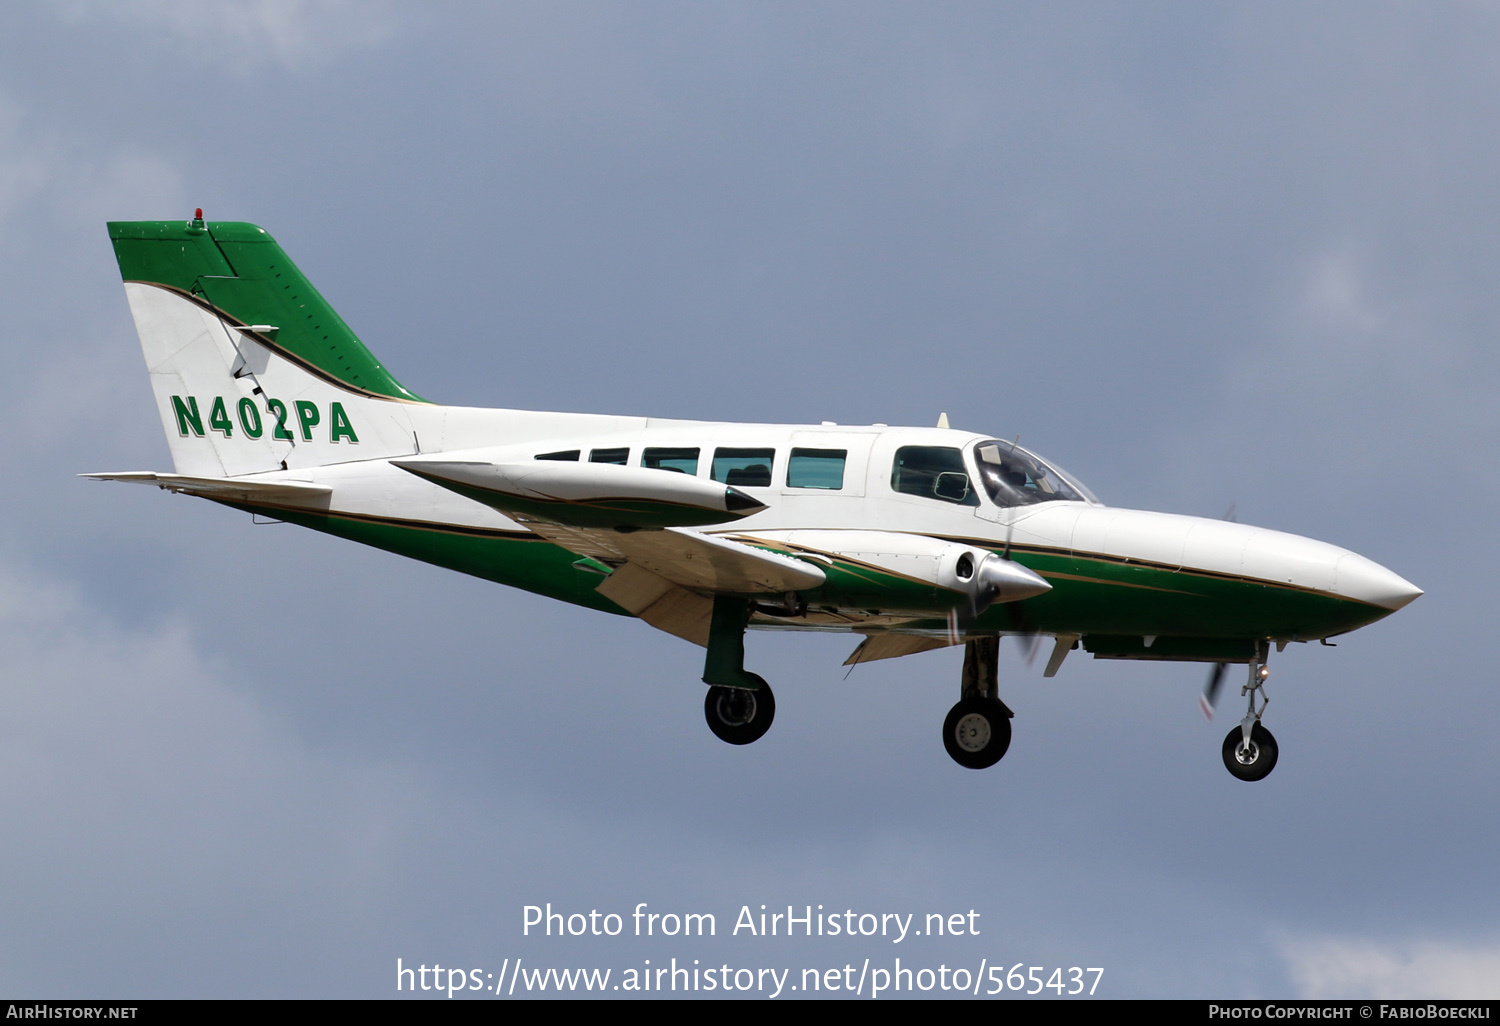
913, 538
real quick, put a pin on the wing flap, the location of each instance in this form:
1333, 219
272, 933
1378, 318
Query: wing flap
716, 564
691, 560
662, 604
887, 645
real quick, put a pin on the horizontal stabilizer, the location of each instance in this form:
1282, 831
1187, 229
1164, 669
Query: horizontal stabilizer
230, 488
589, 495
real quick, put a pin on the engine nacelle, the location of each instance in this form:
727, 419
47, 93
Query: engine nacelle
977, 576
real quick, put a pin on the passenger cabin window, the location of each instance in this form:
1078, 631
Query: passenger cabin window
568, 455
816, 468
684, 461
933, 472
620, 456
744, 467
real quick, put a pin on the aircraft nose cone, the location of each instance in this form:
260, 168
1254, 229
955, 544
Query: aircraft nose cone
1367, 581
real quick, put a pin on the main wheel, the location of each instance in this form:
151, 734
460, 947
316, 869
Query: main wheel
976, 732
1253, 762
737, 715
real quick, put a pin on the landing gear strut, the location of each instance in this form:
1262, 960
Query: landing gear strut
1249, 749
976, 732
739, 705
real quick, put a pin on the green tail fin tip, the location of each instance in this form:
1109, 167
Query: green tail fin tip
241, 271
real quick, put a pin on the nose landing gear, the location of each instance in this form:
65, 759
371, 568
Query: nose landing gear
1249, 749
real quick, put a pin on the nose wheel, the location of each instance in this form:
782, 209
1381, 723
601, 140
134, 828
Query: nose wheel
1251, 759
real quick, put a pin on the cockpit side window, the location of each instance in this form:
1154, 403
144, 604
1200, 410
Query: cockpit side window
1014, 477
933, 472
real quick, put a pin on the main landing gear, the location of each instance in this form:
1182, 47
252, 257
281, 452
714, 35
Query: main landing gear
1249, 749
976, 732
739, 705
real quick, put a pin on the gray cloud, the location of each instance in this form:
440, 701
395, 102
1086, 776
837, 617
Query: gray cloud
241, 35
1330, 967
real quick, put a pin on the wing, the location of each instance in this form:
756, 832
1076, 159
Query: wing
667, 576
693, 560
632, 520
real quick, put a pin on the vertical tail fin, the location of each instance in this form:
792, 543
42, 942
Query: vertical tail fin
251, 367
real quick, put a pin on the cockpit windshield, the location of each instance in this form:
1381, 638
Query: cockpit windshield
1015, 477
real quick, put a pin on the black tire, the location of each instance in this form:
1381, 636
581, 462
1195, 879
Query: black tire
738, 716
1256, 763
977, 733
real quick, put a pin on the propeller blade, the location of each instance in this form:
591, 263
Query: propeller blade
1210, 696
1028, 647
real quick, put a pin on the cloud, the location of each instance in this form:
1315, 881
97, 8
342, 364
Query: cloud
1354, 366
52, 171
1334, 967
57, 188
148, 799
24, 162
291, 33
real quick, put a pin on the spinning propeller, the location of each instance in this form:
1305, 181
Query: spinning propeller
1210, 696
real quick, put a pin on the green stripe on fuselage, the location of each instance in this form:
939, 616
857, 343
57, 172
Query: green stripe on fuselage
1088, 596
1105, 596
520, 561
1108, 596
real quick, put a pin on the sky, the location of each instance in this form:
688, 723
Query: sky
1203, 256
